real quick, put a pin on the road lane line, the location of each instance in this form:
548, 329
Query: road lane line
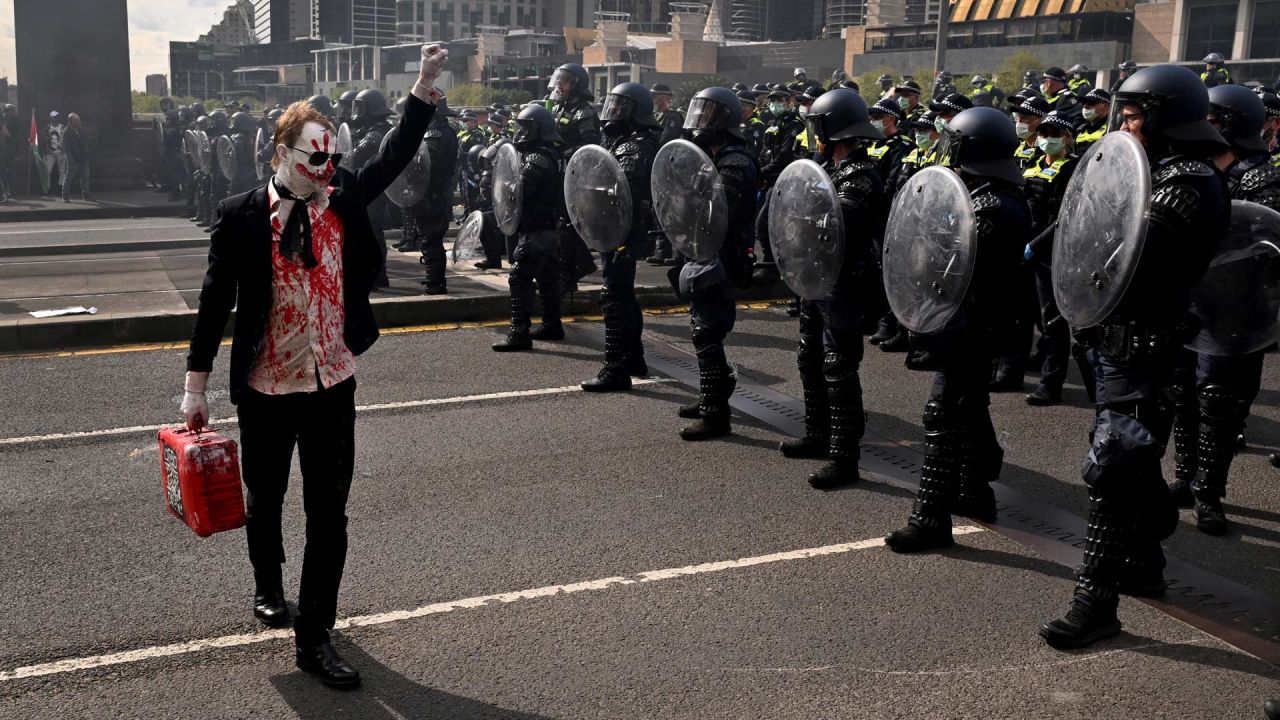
30, 439
73, 230
229, 641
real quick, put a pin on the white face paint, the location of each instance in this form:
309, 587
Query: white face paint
294, 170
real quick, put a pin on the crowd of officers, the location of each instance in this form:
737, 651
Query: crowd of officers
1207, 141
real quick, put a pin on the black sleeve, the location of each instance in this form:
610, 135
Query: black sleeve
218, 293
380, 171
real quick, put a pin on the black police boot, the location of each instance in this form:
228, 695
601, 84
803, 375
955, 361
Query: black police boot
886, 330
1008, 381
635, 364
269, 606
1217, 448
976, 501
817, 410
1271, 709
1144, 571
1186, 438
521, 299
613, 376
548, 331
408, 234
930, 525
848, 424
322, 661
715, 385
1091, 618
896, 344
1044, 395
549, 294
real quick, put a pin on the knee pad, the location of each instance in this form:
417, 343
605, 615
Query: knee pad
1122, 449
1219, 403
838, 367
809, 355
935, 417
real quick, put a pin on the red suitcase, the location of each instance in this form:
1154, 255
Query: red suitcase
201, 476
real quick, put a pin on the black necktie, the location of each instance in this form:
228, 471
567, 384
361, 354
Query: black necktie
296, 238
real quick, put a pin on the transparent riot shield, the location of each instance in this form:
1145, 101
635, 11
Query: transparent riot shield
688, 200
1238, 299
598, 198
806, 229
507, 189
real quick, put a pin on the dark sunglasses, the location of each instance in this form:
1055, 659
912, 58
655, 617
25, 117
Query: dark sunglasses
319, 157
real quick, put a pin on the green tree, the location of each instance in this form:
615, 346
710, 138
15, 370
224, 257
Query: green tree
1009, 74
684, 92
869, 83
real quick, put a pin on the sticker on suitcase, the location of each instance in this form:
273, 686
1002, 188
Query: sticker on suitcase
173, 491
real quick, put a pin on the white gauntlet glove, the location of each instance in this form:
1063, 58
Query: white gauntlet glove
433, 61
195, 409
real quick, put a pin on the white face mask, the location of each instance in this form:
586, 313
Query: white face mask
878, 124
1023, 130
940, 124
1050, 146
295, 172
1089, 114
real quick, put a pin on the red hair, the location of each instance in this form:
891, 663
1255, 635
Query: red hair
289, 126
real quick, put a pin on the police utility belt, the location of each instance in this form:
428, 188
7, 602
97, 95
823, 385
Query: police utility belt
1133, 340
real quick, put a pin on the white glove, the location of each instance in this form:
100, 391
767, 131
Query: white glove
195, 409
433, 60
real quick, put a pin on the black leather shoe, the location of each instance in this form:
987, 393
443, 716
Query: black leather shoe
609, 380
323, 662
513, 343
1181, 492
692, 411
882, 334
486, 265
1044, 395
548, 332
916, 538
708, 427
1007, 382
271, 609
1084, 624
834, 474
1272, 709
433, 289
896, 344
1211, 519
805, 447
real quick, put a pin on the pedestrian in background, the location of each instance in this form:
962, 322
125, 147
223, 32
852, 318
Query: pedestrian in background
76, 150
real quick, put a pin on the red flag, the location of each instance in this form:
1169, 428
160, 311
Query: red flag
33, 138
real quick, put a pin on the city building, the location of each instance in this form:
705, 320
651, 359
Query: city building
391, 68
203, 70
237, 27
281, 20
157, 85
449, 20
277, 72
1246, 33
799, 20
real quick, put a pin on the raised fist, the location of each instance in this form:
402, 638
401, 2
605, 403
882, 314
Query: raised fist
433, 60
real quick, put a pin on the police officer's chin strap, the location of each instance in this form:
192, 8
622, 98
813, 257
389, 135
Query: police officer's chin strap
616, 128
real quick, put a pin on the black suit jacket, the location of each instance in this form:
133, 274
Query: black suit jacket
239, 272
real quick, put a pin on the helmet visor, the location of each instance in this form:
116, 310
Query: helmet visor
562, 84
617, 107
948, 148
707, 114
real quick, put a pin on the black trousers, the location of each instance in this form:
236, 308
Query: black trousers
322, 425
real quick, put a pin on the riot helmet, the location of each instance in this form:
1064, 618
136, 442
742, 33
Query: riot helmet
1031, 78
628, 104
345, 102
1077, 71
1239, 115
840, 114
1213, 60
799, 75
166, 104
945, 76
218, 121
197, 109
473, 157
978, 81
739, 88
885, 81
184, 115
1127, 66
535, 124
369, 106
171, 117
273, 117
202, 122
568, 81
243, 122
714, 114
321, 103
980, 142
1173, 104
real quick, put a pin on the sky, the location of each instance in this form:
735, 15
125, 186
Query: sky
152, 24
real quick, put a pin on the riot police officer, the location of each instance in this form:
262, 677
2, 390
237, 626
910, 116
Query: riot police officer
799, 81
431, 216
712, 125
534, 258
962, 455
983, 86
628, 129
830, 349
324, 105
369, 113
943, 84
171, 159
243, 133
1095, 107
1046, 181
668, 118
776, 153
1135, 348
346, 101
1215, 392
887, 118
468, 179
1127, 69
1215, 70
217, 186
570, 89
908, 95
885, 81
1078, 80
495, 244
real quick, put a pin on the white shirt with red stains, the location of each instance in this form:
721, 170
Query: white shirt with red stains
303, 348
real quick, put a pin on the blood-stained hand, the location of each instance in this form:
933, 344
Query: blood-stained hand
434, 58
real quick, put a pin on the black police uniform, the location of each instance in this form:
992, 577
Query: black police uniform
623, 321
671, 123
579, 125
830, 349
366, 142
534, 259
776, 152
1046, 181
709, 286
431, 216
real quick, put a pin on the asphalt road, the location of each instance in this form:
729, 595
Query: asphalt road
543, 553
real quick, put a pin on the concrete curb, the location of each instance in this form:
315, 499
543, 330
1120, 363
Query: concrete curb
96, 213
32, 335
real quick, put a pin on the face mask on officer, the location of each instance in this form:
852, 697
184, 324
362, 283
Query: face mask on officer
904, 101
1023, 129
924, 140
940, 124
1051, 146
1089, 114
777, 107
878, 123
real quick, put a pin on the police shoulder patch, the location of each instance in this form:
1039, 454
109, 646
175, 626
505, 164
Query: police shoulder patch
985, 201
540, 160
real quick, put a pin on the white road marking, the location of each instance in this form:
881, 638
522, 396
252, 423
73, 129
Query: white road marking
73, 229
29, 439
229, 641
